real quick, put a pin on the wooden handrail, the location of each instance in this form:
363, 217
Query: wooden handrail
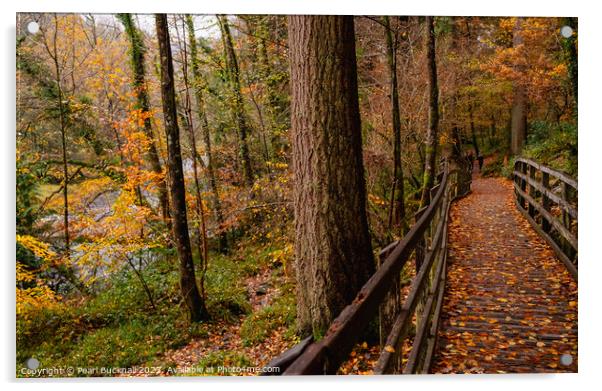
534, 199
555, 173
326, 356
400, 329
548, 193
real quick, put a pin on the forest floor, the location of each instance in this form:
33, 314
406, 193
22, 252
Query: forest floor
510, 305
224, 347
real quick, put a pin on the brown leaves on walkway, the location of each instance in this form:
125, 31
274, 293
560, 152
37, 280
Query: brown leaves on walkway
361, 360
510, 305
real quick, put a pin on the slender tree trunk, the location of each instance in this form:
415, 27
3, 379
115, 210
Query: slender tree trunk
473, 133
137, 51
456, 139
391, 306
266, 150
270, 96
508, 137
519, 120
258, 29
238, 110
492, 131
333, 253
188, 285
63, 130
419, 150
431, 138
142, 282
570, 53
66, 269
397, 207
200, 227
65, 174
199, 83
519, 104
65, 165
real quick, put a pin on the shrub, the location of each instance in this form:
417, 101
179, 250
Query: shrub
553, 145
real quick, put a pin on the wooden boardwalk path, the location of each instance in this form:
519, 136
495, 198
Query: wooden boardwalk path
510, 305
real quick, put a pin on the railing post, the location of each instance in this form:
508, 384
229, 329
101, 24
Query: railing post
420, 247
532, 190
456, 184
517, 182
566, 217
390, 307
523, 184
545, 182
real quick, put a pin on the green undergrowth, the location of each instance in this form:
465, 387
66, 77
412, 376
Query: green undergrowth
260, 325
553, 145
118, 327
223, 363
494, 167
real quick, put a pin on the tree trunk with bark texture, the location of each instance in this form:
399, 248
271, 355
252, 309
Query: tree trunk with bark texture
137, 51
333, 253
177, 189
519, 104
431, 138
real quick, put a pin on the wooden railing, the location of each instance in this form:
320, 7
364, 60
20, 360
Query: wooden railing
416, 320
548, 199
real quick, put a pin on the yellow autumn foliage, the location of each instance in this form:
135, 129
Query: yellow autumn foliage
31, 292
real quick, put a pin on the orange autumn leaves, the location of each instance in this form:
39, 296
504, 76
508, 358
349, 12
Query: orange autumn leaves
510, 305
532, 63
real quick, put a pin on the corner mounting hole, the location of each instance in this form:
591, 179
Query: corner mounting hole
566, 359
566, 31
32, 363
33, 27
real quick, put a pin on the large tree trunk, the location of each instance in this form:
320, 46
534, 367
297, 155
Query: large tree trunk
333, 252
519, 104
519, 120
177, 189
431, 138
397, 208
199, 83
238, 110
137, 51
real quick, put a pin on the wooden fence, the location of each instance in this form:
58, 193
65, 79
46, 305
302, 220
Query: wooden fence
548, 199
